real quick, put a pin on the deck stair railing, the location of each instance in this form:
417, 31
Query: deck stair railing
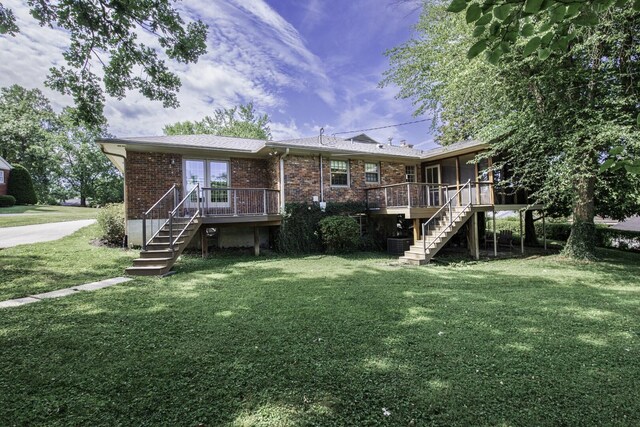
180, 211
446, 215
157, 216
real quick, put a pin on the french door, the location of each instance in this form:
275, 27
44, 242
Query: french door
432, 176
213, 176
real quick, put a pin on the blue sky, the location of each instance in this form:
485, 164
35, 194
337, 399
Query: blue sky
308, 64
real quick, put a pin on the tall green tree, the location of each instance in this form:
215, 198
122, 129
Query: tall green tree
87, 173
553, 119
27, 126
104, 35
241, 121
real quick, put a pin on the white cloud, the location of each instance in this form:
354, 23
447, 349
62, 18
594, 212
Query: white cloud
253, 54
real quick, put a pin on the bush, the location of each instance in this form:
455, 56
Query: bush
619, 239
21, 186
300, 229
7, 201
111, 223
340, 234
554, 230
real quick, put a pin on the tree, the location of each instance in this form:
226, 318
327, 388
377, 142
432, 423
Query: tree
552, 121
26, 124
546, 25
87, 171
242, 122
104, 34
21, 186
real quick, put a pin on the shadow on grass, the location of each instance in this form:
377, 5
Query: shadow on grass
332, 341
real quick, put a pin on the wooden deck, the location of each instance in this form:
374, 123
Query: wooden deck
428, 212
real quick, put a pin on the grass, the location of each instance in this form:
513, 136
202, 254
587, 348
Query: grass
40, 214
326, 340
73, 260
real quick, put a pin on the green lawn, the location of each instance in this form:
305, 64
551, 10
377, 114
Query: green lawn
73, 260
39, 214
326, 340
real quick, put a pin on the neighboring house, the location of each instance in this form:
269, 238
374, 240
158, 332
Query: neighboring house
5, 170
240, 186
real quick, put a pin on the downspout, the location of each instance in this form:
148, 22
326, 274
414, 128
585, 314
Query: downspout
286, 153
124, 176
321, 180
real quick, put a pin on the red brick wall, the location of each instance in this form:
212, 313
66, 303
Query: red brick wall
3, 187
302, 179
147, 177
250, 173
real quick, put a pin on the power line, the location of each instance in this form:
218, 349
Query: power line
382, 127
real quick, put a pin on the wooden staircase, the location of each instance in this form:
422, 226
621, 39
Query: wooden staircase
163, 248
438, 236
443, 225
158, 258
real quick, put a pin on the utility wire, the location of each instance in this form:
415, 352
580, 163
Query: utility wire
382, 127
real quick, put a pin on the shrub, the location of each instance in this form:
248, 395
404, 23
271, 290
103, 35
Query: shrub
300, 229
7, 201
620, 239
111, 223
340, 233
21, 186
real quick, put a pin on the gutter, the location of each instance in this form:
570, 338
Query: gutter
286, 153
125, 243
321, 180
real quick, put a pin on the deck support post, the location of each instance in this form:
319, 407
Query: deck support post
416, 230
256, 241
204, 244
544, 232
495, 235
474, 239
521, 232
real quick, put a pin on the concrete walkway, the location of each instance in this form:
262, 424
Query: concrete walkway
94, 286
26, 234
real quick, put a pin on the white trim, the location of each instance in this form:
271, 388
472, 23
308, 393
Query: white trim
1, 177
348, 162
5, 165
379, 172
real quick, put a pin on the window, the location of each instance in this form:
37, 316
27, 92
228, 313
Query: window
1, 177
372, 172
339, 173
410, 173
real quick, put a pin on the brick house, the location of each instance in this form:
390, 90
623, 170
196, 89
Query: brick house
5, 170
240, 186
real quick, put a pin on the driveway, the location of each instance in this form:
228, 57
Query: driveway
26, 234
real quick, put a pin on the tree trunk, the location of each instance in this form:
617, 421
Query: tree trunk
530, 238
582, 240
83, 201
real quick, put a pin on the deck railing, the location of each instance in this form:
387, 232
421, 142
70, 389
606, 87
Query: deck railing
422, 195
239, 201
